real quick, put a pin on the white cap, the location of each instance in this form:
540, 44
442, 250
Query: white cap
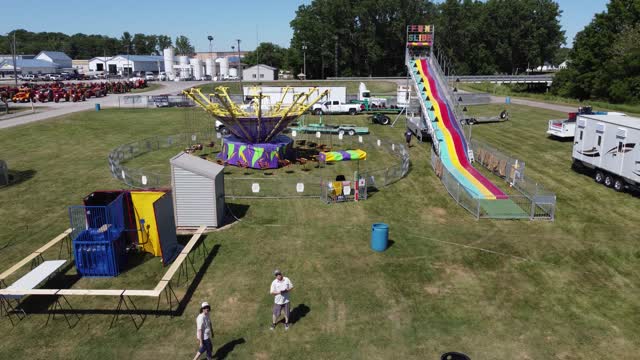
204, 305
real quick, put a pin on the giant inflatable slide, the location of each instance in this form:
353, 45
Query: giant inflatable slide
452, 143
483, 198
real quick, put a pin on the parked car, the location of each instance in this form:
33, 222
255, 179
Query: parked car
56, 77
335, 107
27, 77
162, 76
149, 76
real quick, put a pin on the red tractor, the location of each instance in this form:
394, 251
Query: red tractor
43, 95
60, 93
77, 94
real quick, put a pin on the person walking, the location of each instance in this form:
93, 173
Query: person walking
407, 137
204, 332
280, 288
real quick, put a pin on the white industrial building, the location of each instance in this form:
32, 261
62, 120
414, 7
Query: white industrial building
56, 57
99, 63
260, 72
129, 64
28, 66
81, 66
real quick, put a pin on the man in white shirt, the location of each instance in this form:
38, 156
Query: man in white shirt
280, 287
204, 332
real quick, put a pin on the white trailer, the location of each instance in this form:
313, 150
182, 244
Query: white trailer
566, 128
609, 145
365, 95
274, 93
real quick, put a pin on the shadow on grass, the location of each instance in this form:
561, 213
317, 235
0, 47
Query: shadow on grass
390, 243
135, 259
17, 177
227, 348
559, 139
182, 304
235, 212
299, 312
41, 304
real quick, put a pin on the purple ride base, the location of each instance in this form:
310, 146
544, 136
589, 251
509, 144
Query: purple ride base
238, 152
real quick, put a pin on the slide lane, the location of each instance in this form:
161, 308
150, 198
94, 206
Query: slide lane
452, 122
454, 155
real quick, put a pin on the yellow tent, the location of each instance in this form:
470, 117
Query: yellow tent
143, 208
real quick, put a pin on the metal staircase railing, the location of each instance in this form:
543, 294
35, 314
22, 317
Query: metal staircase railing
423, 106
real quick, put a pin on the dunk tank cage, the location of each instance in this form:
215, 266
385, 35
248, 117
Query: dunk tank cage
98, 238
255, 140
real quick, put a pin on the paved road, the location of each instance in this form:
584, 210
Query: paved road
537, 104
62, 108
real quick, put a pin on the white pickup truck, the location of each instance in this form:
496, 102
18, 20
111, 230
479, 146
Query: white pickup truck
335, 107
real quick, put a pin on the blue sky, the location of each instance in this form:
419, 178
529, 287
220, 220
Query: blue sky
248, 20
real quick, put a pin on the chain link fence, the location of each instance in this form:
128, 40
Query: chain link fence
533, 202
266, 184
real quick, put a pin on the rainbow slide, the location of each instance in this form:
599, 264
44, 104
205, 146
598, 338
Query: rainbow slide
453, 146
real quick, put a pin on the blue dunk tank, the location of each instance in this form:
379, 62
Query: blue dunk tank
112, 223
98, 238
255, 140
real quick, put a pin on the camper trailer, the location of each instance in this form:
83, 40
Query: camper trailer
610, 146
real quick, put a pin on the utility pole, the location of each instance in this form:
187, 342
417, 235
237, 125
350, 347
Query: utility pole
304, 59
213, 66
13, 55
335, 37
240, 71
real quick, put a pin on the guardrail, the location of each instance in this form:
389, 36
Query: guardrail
504, 79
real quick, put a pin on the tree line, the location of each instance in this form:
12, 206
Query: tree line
605, 58
367, 37
83, 46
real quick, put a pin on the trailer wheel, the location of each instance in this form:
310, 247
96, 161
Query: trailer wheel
385, 120
599, 177
608, 180
352, 132
618, 185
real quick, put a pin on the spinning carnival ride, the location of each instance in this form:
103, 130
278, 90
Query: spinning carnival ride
255, 139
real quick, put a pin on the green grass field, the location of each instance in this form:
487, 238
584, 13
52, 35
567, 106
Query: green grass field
492, 289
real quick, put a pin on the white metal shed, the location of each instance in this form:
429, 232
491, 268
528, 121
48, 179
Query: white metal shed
198, 191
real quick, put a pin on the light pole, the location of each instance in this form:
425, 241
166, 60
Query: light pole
335, 37
13, 55
240, 70
210, 38
304, 59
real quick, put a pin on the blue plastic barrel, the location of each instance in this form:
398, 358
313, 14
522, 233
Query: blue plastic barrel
508, 100
97, 107
379, 236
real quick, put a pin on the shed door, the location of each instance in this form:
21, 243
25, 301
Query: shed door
195, 199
